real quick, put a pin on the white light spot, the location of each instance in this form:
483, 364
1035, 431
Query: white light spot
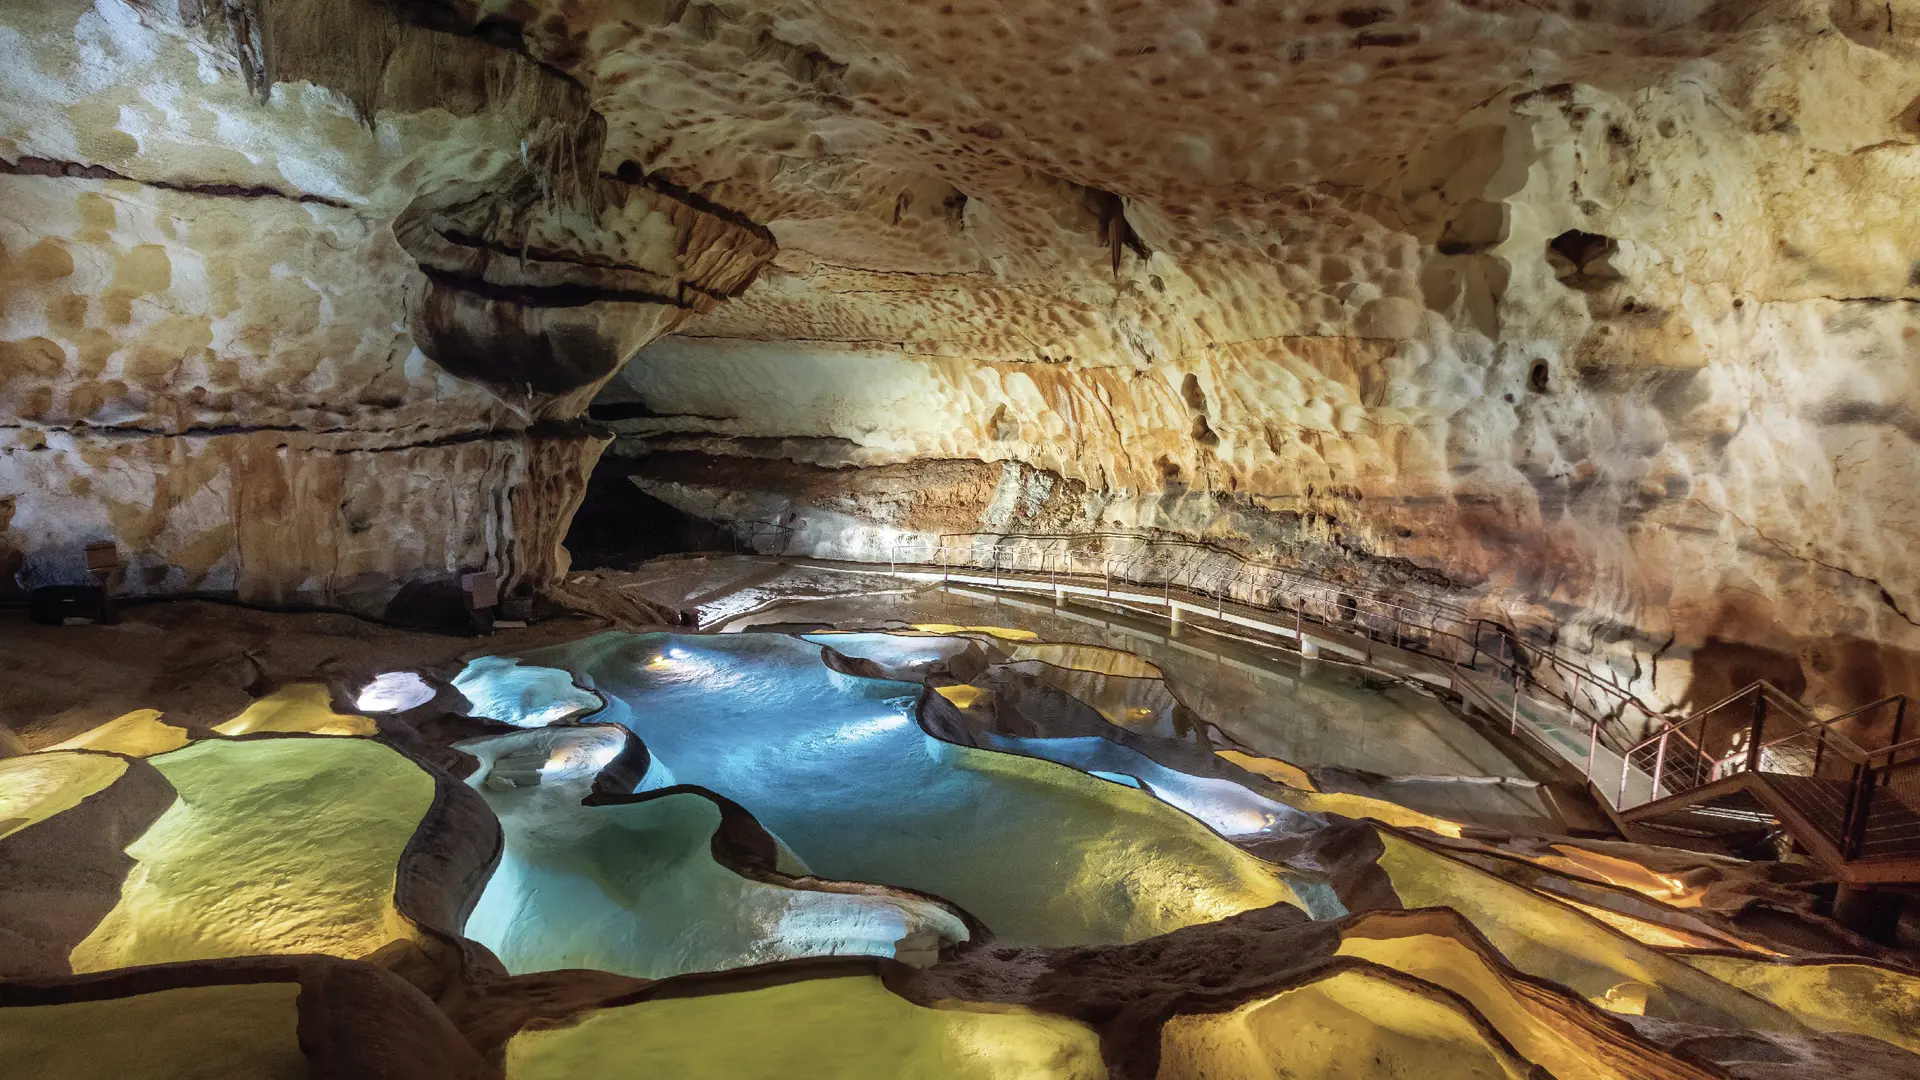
393, 691
868, 729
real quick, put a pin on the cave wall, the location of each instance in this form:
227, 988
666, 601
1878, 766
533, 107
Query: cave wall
1600, 314
1593, 314
300, 298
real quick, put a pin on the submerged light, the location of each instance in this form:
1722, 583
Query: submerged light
867, 729
393, 691
580, 758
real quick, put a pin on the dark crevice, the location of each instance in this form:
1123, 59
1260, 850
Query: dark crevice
39, 166
549, 255
1584, 260
630, 172
537, 431
201, 431
548, 296
607, 412
619, 526
1114, 227
499, 31
612, 411
537, 254
1887, 599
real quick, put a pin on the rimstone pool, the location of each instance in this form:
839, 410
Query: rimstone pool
836, 768
924, 834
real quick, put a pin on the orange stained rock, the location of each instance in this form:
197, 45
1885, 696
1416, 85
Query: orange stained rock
140, 733
1001, 632
301, 707
35, 787
1564, 1034
1280, 772
1362, 806
962, 695
1579, 862
1551, 940
1358, 1022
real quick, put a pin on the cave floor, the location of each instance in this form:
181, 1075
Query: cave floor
200, 662
939, 828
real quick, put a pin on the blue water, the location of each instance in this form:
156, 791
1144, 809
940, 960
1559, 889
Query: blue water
836, 767
636, 888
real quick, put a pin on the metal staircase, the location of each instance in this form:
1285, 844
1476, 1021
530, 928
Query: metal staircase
1757, 751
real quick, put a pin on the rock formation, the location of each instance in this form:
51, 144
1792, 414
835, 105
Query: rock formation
302, 299
1595, 314
575, 906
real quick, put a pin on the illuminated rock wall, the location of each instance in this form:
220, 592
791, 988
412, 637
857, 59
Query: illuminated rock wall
1597, 313
1593, 314
300, 299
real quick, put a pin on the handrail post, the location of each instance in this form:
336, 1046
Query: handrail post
1593, 747
1899, 722
1753, 737
1859, 805
1659, 764
1513, 720
1626, 763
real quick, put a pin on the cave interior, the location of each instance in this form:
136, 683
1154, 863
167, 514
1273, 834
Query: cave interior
974, 539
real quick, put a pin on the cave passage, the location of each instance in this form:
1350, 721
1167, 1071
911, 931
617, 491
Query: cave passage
1325, 539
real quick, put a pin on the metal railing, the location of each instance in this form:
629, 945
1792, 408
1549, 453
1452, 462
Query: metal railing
755, 537
1865, 803
1862, 800
1596, 710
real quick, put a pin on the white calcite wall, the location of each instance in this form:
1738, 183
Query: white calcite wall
267, 342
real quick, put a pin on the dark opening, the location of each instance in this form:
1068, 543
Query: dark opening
620, 526
1584, 260
1537, 377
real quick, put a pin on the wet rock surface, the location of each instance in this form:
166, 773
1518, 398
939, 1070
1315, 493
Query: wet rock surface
1526, 917
1594, 318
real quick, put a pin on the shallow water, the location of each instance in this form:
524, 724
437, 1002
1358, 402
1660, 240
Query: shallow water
837, 768
638, 889
1320, 714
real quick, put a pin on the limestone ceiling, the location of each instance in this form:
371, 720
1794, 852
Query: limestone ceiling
995, 160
